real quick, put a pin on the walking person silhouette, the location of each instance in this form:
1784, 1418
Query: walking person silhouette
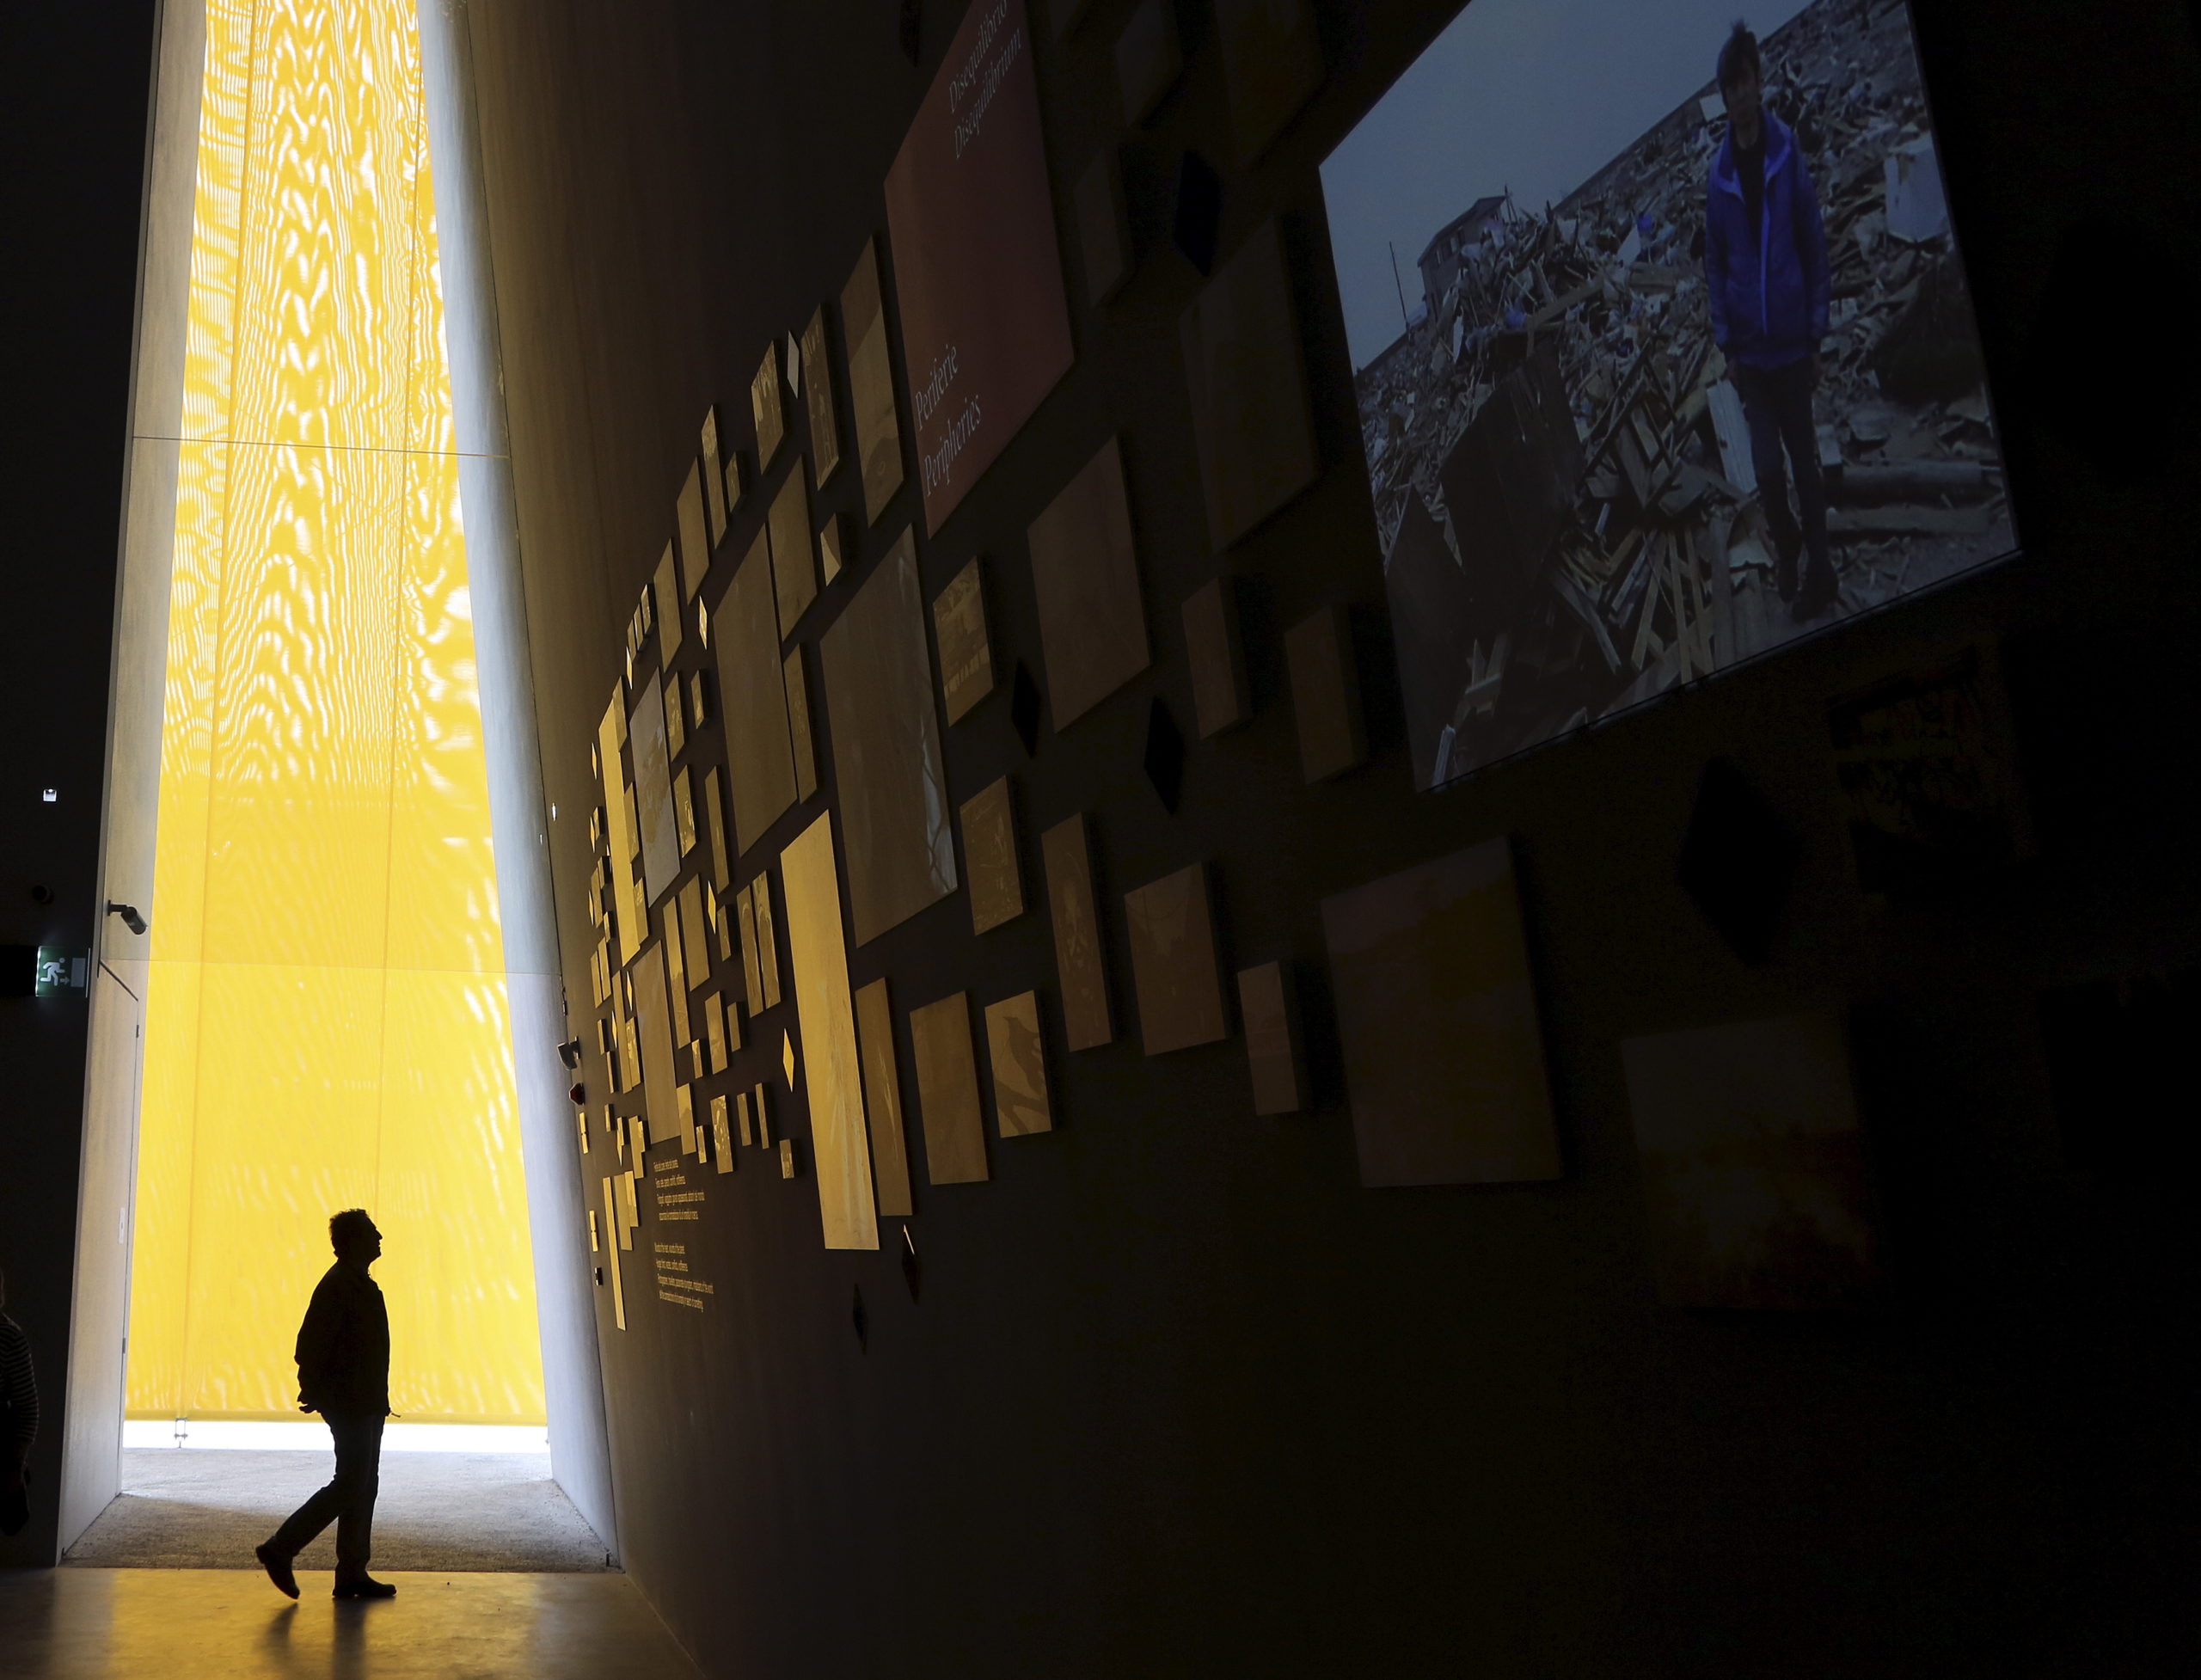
343, 1374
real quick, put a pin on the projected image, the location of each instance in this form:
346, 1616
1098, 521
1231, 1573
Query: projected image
1663, 351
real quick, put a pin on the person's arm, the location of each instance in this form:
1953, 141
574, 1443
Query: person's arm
1811, 249
319, 1338
19, 1389
1715, 269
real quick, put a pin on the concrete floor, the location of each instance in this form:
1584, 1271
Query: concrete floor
217, 1624
437, 1511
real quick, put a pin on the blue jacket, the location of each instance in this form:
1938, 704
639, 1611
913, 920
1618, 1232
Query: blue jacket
1769, 285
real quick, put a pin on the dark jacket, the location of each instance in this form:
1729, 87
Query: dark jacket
1769, 285
344, 1346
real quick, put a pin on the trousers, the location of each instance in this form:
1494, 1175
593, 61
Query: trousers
349, 1500
1777, 402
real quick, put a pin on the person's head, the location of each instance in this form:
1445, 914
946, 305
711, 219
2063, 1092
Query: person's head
1742, 78
353, 1236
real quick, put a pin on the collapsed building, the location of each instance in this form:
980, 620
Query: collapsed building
1561, 468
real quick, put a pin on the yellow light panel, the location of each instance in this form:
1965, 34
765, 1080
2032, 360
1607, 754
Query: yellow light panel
327, 1022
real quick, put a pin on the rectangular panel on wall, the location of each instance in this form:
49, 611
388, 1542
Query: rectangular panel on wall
609, 734
1085, 573
1079, 964
985, 326
1020, 1066
794, 550
948, 1092
753, 699
653, 792
1755, 1185
886, 761
966, 659
818, 396
799, 737
694, 935
653, 1024
666, 588
694, 542
752, 981
1173, 964
871, 384
1444, 1060
882, 1098
833, 1068
768, 945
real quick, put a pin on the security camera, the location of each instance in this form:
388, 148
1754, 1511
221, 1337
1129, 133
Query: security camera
570, 1052
131, 918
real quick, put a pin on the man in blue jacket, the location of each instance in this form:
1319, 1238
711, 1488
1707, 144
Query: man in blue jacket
343, 1374
1765, 271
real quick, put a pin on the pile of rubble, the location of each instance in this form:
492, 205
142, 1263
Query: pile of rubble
1561, 468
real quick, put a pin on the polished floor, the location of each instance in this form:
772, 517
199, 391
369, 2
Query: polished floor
216, 1624
437, 1511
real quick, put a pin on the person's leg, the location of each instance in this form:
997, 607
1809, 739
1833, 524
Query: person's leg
1793, 403
1761, 407
302, 1525
358, 1460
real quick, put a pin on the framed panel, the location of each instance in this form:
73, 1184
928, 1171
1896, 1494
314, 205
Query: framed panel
817, 396
882, 1100
1272, 64
967, 657
887, 762
714, 821
1444, 1060
948, 1092
695, 540
653, 792
1324, 694
752, 975
766, 403
714, 503
1079, 964
1268, 1006
753, 700
1251, 420
985, 326
833, 1068
989, 857
794, 551
694, 936
1755, 1181
610, 733
654, 1028
768, 944
684, 811
1221, 697
1174, 967
799, 737
666, 586
1085, 573
1020, 1066
871, 384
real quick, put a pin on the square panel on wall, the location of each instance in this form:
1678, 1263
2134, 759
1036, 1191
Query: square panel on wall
1755, 1182
1085, 573
1247, 376
753, 699
989, 857
1079, 968
1444, 1060
948, 1092
1173, 966
1020, 1066
887, 762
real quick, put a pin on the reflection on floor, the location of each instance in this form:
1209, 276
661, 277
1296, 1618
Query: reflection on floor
438, 1510
197, 1624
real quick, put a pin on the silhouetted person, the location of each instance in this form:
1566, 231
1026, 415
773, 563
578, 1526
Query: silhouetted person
18, 1419
344, 1375
1770, 289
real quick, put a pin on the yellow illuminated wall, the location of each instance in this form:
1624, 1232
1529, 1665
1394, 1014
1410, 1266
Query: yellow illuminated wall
327, 1018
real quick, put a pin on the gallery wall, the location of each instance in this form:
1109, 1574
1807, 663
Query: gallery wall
1173, 1390
75, 128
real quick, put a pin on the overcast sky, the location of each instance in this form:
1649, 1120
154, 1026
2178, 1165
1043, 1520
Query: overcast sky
1536, 96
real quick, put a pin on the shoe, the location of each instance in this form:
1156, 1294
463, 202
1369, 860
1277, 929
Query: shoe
278, 1570
1818, 594
364, 1587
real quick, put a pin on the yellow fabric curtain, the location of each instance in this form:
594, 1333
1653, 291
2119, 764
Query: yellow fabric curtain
326, 1021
